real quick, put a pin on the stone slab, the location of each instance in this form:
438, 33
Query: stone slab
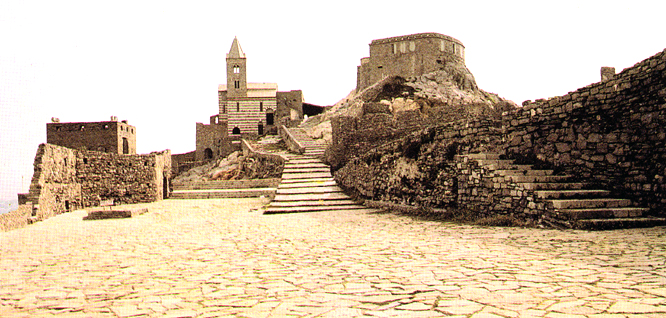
116, 213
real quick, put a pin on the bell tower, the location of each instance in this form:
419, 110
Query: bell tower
236, 71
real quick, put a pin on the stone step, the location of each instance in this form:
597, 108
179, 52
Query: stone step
288, 181
540, 179
312, 190
227, 184
619, 223
554, 186
306, 175
275, 210
312, 203
223, 193
571, 194
290, 165
490, 156
306, 170
604, 213
590, 203
307, 184
497, 163
524, 172
295, 160
310, 197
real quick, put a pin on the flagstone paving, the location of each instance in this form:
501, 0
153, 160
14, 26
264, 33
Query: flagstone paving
222, 257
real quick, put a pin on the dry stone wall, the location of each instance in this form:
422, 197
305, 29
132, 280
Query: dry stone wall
55, 187
612, 133
124, 179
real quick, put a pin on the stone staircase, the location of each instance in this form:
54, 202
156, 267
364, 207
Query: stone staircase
577, 204
307, 184
312, 147
225, 189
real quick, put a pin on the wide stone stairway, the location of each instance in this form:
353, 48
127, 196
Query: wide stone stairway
579, 204
225, 189
307, 184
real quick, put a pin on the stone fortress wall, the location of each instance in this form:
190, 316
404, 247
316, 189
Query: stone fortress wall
610, 133
105, 136
409, 55
67, 179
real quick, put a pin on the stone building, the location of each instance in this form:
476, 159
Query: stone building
245, 109
408, 55
104, 136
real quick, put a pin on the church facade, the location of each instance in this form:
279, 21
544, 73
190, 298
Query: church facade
245, 109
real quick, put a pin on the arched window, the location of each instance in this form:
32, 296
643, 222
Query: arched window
236, 69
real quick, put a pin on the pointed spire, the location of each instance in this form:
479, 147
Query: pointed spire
236, 52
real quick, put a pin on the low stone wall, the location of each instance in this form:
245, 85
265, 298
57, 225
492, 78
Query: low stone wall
291, 142
261, 165
17, 218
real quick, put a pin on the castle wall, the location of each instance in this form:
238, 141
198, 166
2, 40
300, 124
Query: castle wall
55, 187
213, 137
67, 179
105, 136
612, 132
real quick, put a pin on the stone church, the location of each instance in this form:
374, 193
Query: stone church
245, 109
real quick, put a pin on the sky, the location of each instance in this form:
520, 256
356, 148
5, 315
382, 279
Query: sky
157, 64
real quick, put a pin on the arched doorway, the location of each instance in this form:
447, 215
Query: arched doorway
235, 131
208, 154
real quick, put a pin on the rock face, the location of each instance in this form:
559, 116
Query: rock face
395, 107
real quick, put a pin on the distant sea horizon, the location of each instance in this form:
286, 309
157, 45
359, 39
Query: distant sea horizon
8, 205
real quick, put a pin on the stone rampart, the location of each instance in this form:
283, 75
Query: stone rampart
612, 133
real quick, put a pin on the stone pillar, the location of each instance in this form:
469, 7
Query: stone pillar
607, 73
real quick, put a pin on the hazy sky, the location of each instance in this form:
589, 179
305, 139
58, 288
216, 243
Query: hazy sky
158, 63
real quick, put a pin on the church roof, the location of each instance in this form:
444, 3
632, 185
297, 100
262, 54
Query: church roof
236, 51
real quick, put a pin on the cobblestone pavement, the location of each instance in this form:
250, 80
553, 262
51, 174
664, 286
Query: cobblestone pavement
213, 258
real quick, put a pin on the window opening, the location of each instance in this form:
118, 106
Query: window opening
237, 107
261, 106
125, 146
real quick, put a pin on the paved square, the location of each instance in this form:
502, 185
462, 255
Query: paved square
211, 258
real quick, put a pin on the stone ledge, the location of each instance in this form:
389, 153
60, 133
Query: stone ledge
114, 213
